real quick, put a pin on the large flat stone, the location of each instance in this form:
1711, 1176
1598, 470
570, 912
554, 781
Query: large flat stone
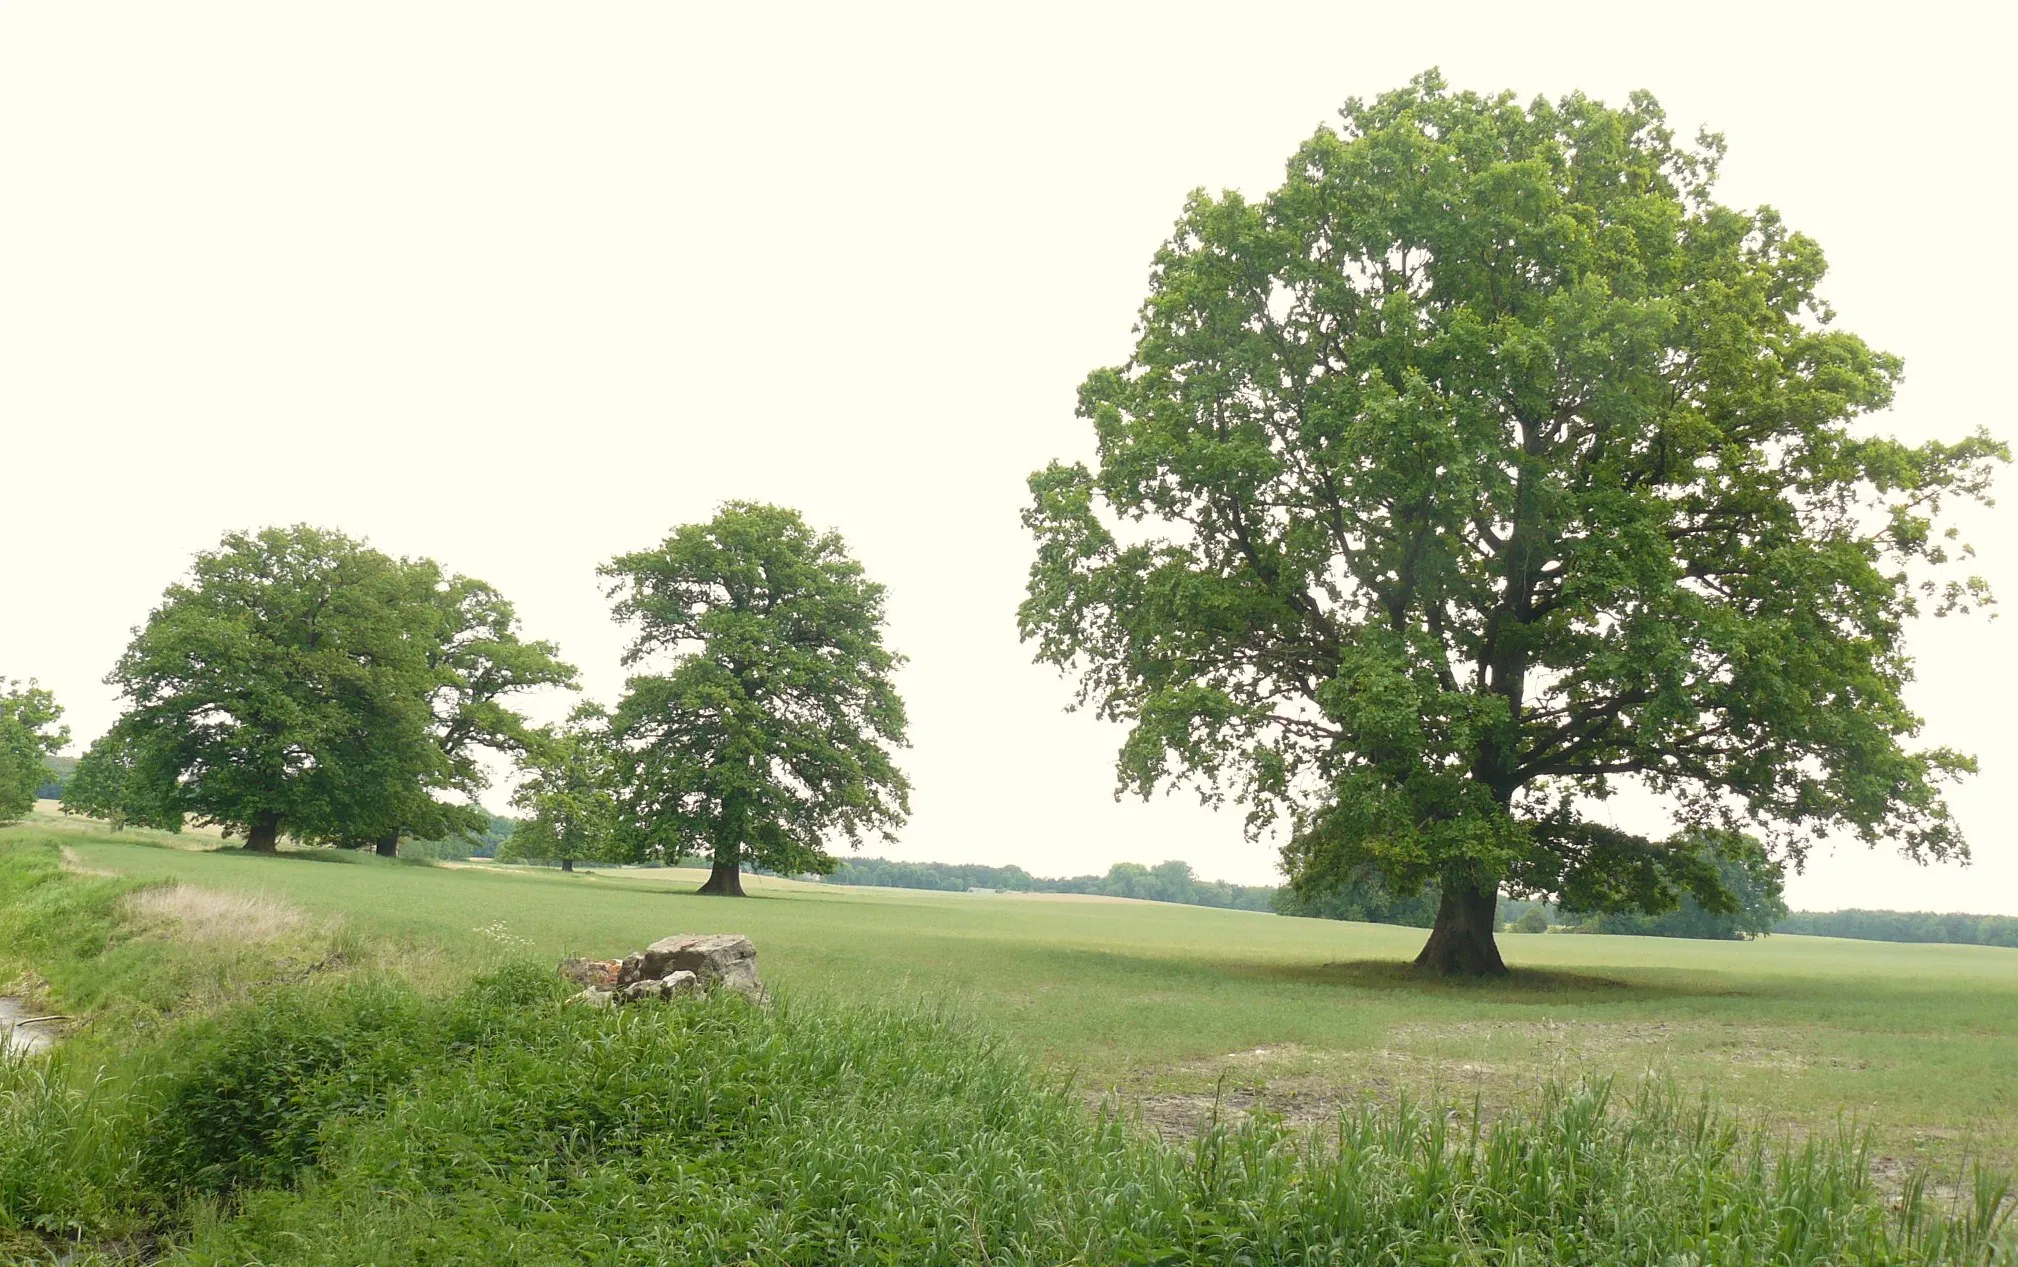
718, 959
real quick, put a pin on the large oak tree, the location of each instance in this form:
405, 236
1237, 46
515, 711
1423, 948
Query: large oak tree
302, 682
764, 722
1487, 462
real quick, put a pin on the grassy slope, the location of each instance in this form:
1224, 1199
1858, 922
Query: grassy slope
1164, 1001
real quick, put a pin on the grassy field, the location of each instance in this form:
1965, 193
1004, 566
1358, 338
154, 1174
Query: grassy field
1176, 1006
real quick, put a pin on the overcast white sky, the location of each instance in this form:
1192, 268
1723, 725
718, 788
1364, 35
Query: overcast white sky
520, 287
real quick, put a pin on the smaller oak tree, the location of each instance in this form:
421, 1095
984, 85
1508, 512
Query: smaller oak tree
766, 724
113, 784
475, 661
30, 734
571, 814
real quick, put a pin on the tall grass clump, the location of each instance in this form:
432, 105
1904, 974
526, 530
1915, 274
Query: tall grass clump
365, 1122
713, 1131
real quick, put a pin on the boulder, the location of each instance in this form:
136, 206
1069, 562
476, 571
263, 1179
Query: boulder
725, 960
672, 966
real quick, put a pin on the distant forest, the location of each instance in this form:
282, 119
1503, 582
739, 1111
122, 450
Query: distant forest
1175, 882
1165, 882
1960, 930
52, 785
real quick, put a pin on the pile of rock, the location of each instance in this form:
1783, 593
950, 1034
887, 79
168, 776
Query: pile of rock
668, 968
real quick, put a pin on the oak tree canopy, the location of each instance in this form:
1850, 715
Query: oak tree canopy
761, 721
1487, 462
299, 681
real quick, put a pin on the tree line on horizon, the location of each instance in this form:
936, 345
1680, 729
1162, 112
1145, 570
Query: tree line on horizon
1762, 907
1172, 881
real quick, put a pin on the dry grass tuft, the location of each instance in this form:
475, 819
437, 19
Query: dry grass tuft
209, 915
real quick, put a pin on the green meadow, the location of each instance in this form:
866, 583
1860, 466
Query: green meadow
1177, 1010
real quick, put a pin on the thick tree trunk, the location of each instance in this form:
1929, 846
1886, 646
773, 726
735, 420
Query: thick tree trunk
567, 864
388, 845
264, 834
1461, 943
725, 879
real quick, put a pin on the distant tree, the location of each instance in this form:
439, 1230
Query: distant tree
765, 724
486, 842
570, 812
1745, 870
271, 692
109, 784
1484, 463
1535, 919
476, 660
31, 731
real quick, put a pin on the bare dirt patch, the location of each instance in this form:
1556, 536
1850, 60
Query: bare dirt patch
1481, 1064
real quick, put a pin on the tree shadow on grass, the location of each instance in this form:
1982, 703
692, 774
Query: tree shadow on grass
1520, 985
228, 850
693, 890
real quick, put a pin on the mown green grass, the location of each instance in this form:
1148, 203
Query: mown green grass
1173, 1005
350, 1116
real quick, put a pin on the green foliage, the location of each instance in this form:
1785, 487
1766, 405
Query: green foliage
31, 731
464, 844
301, 681
943, 877
280, 688
765, 724
476, 661
1167, 882
57, 772
1753, 879
50, 922
1486, 461
1359, 895
571, 812
1746, 872
110, 783
1171, 881
244, 1099
1905, 926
